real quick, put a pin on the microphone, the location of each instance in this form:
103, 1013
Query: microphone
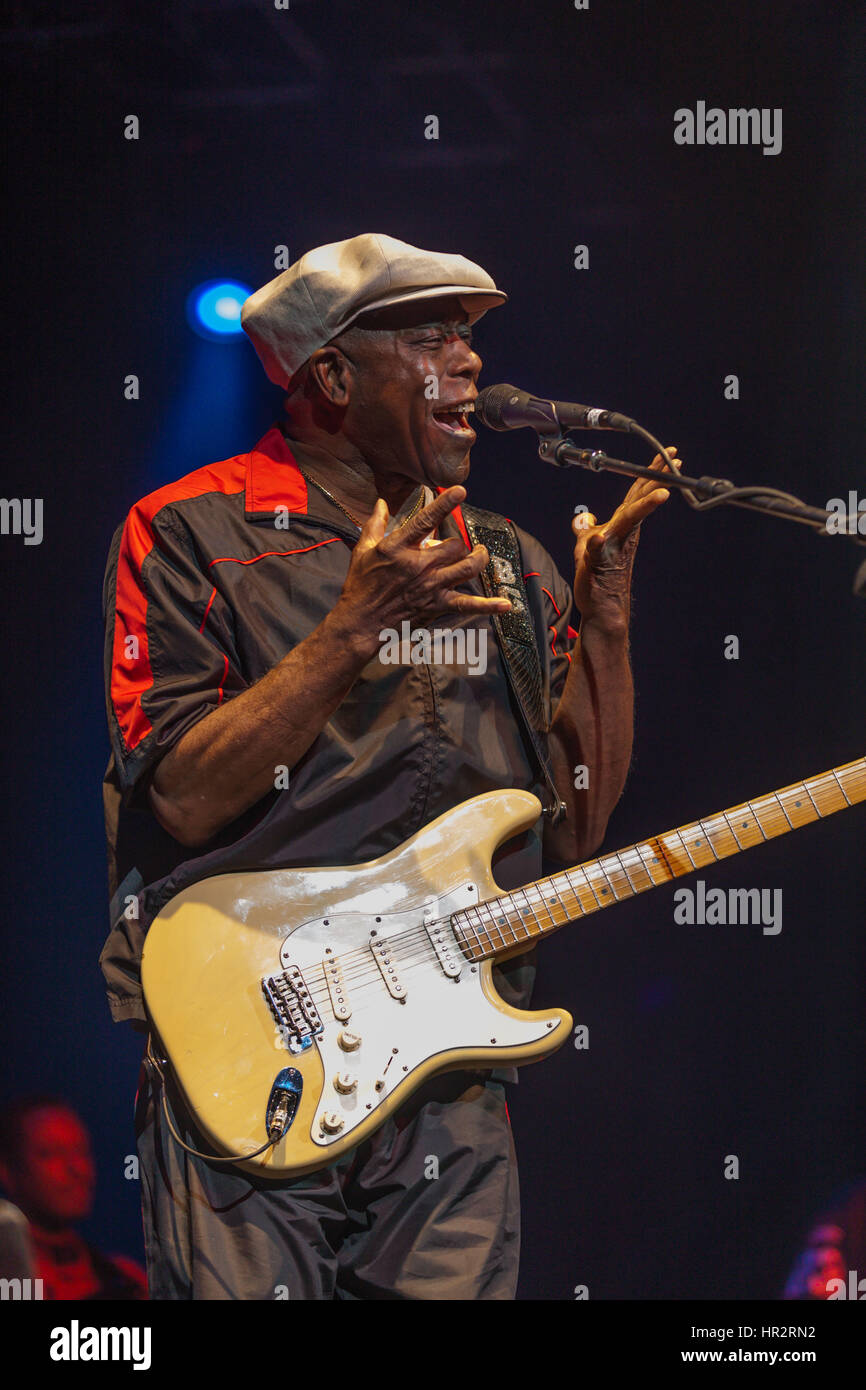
505, 407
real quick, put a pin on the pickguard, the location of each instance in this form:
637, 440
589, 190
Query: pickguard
407, 994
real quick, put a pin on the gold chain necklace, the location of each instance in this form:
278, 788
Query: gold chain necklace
331, 498
344, 510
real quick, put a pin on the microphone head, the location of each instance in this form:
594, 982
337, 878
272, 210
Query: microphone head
491, 402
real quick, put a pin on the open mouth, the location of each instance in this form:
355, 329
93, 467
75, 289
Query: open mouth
455, 418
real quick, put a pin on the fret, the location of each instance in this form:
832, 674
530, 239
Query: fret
642, 868
811, 797
841, 788
739, 811
756, 817
482, 937
673, 855
522, 912
541, 892
852, 771
724, 840
486, 914
609, 876
801, 812
570, 890
550, 884
624, 867
830, 795
660, 866
709, 841
698, 844
769, 807
467, 946
685, 847
606, 891
499, 925
582, 870
732, 830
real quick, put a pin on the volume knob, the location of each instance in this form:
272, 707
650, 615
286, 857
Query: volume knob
349, 1042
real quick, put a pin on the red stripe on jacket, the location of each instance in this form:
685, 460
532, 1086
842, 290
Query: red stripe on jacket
267, 475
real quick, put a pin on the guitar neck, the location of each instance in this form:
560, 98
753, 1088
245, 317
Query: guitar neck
502, 926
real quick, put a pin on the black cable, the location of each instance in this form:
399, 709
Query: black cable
197, 1153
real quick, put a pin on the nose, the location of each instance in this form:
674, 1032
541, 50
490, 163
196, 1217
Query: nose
464, 361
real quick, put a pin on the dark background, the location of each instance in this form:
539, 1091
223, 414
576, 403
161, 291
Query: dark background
261, 127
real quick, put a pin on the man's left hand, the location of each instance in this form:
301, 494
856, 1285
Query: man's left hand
603, 554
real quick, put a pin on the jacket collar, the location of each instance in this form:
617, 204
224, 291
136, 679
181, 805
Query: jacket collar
275, 480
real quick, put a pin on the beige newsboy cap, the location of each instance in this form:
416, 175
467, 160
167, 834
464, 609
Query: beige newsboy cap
322, 293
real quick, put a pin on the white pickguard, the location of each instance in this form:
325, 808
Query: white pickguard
438, 1014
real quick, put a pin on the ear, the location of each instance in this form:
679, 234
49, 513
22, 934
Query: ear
331, 374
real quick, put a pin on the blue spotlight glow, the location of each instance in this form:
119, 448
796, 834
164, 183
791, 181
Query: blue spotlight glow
214, 308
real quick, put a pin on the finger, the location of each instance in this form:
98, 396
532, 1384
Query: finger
374, 527
431, 516
450, 551
661, 464
629, 516
455, 602
464, 570
626, 519
582, 521
643, 485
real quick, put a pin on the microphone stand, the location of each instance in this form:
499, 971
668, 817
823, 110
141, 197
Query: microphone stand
702, 493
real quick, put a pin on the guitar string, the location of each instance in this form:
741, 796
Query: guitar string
408, 964
361, 974
366, 969
616, 875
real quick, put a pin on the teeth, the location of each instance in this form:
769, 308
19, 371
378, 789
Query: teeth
461, 410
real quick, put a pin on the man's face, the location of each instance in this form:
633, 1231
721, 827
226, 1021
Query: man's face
412, 370
52, 1175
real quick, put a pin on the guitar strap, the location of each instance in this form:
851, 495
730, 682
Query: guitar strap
502, 577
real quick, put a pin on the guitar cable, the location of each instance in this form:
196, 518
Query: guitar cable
152, 1065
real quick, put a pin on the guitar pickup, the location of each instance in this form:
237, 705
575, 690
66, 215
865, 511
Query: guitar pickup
444, 943
383, 955
337, 988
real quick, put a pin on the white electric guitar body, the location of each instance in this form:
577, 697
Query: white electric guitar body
376, 994
298, 1008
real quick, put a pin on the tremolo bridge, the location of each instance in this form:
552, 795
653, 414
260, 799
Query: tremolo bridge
292, 1006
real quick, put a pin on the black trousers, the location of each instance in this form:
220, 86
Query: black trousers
427, 1208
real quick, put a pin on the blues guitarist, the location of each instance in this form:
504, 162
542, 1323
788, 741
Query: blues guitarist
254, 725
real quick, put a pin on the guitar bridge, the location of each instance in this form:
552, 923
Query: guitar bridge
292, 1006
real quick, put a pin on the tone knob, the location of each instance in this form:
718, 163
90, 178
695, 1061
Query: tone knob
345, 1082
349, 1042
331, 1122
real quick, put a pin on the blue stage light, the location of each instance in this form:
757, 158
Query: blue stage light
214, 308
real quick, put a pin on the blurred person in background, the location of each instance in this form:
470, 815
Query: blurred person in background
47, 1170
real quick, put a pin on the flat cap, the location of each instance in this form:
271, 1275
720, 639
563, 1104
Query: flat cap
329, 287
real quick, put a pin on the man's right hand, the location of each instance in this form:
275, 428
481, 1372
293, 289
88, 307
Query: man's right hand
226, 762
393, 578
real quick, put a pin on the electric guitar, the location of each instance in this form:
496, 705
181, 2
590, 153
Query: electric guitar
299, 1008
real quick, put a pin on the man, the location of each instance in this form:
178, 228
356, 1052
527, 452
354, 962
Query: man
46, 1166
254, 725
